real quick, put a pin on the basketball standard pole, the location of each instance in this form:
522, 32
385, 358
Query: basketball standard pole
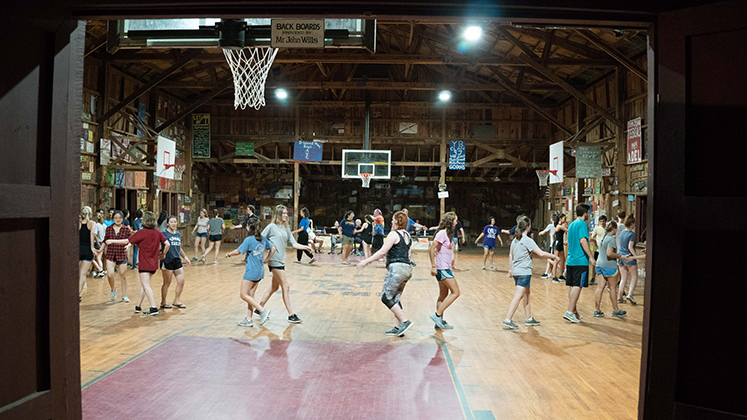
367, 128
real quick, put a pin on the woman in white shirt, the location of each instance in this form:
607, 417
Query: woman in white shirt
202, 232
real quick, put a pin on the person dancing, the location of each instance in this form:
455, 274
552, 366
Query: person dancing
172, 265
116, 255
440, 253
217, 225
346, 231
303, 236
559, 248
254, 247
490, 231
606, 270
86, 252
202, 232
399, 270
520, 268
279, 235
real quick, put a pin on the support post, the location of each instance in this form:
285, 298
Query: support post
442, 159
367, 128
296, 181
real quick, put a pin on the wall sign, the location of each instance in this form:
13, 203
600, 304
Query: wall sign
635, 144
244, 148
588, 161
308, 151
201, 136
457, 155
294, 33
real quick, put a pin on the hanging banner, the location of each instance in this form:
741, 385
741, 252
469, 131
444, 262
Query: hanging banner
308, 151
457, 155
635, 145
201, 136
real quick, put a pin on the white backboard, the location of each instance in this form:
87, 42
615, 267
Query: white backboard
166, 156
556, 163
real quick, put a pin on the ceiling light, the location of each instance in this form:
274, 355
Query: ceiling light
281, 93
444, 96
472, 33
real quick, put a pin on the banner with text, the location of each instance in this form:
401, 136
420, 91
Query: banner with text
308, 151
635, 145
294, 33
457, 155
201, 136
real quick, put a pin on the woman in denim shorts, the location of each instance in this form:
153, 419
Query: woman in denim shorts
520, 268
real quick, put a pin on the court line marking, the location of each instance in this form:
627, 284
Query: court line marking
457, 384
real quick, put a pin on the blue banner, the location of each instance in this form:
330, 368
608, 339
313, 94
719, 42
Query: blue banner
308, 151
457, 155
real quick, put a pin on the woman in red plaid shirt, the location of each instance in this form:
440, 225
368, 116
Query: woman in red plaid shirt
116, 255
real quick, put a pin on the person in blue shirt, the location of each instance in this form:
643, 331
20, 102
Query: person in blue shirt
347, 232
137, 224
490, 232
254, 246
171, 266
303, 236
577, 265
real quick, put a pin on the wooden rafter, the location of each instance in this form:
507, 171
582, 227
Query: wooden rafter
614, 53
222, 86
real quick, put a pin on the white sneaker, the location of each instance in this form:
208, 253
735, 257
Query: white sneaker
125, 299
85, 285
264, 316
113, 295
484, 268
245, 323
492, 267
215, 262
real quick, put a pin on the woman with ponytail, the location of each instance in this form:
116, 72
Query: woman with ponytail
441, 252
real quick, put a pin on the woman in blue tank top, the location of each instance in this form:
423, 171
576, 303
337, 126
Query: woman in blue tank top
399, 270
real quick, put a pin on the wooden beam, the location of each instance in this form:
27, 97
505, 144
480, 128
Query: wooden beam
194, 105
532, 58
186, 58
614, 53
564, 43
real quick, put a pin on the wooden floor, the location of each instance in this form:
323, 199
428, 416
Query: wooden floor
557, 370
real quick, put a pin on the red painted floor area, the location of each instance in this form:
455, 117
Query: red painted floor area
220, 378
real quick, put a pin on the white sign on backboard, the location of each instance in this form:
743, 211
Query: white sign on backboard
294, 33
166, 156
556, 163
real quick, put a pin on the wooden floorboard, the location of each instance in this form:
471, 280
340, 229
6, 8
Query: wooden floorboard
557, 370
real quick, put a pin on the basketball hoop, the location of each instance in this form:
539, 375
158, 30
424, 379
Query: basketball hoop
544, 175
249, 67
179, 171
366, 180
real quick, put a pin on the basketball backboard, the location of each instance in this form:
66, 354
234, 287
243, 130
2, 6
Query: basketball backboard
375, 162
166, 158
556, 163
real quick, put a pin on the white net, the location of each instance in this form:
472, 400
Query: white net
543, 177
366, 180
249, 67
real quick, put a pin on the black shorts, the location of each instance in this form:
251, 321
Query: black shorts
559, 246
577, 276
282, 267
172, 265
596, 255
147, 271
216, 238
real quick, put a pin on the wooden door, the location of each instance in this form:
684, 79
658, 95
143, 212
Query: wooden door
40, 111
693, 344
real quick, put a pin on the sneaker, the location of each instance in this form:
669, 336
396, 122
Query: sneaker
578, 315
545, 276
618, 313
413, 263
570, 316
446, 326
403, 326
294, 319
151, 312
437, 320
264, 316
509, 324
113, 295
246, 322
531, 322
555, 280
256, 312
562, 277
194, 259
215, 261
484, 268
600, 314
393, 331
492, 267
631, 300
138, 309
621, 300
125, 299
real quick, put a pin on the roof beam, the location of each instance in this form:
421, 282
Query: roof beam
614, 53
186, 58
194, 105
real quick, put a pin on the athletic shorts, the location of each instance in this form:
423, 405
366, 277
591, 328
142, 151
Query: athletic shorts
396, 278
216, 238
253, 280
172, 265
202, 235
577, 276
559, 247
147, 271
630, 263
523, 281
120, 262
347, 240
279, 267
444, 274
488, 247
606, 272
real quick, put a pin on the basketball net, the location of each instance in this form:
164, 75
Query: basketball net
249, 67
366, 180
544, 176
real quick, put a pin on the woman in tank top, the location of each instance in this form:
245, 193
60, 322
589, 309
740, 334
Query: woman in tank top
399, 270
85, 256
202, 232
559, 248
367, 235
440, 253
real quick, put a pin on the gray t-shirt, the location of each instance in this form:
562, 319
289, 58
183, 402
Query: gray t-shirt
521, 250
603, 261
215, 225
280, 237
